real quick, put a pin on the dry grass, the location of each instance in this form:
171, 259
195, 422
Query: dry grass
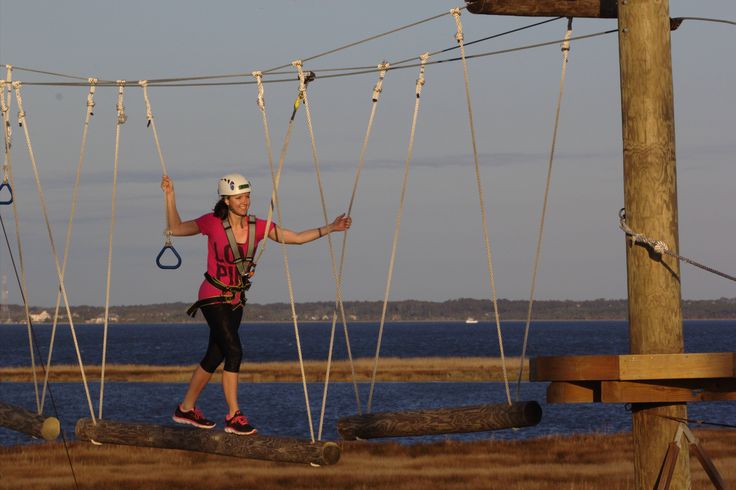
579, 462
389, 369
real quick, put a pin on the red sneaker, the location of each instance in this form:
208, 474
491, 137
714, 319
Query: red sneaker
192, 417
238, 424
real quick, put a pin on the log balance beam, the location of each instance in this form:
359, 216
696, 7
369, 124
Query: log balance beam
21, 420
475, 418
279, 449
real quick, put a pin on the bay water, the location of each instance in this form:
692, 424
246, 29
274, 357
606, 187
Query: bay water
280, 408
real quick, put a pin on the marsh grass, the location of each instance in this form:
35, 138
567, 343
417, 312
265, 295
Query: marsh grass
577, 462
417, 369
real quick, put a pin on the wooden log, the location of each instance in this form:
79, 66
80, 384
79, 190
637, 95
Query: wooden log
476, 418
280, 449
21, 420
602, 9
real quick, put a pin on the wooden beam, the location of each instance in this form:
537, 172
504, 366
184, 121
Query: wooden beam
574, 392
677, 366
21, 420
602, 9
660, 391
633, 367
477, 418
573, 368
281, 449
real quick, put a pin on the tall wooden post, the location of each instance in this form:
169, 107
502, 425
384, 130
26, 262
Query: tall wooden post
650, 199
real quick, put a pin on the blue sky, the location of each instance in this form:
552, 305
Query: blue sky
210, 131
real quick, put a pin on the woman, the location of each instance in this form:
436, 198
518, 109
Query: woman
221, 294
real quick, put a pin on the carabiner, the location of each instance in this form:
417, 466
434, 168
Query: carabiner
166, 247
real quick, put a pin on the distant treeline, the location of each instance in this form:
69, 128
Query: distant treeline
406, 310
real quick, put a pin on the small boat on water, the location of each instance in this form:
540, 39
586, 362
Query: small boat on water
470, 319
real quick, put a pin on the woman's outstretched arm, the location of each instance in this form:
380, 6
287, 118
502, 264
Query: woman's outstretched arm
341, 223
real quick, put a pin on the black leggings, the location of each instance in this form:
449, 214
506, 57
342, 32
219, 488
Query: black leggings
224, 339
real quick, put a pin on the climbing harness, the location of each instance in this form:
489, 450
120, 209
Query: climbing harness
245, 266
661, 247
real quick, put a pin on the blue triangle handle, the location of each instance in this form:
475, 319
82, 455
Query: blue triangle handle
161, 254
9, 200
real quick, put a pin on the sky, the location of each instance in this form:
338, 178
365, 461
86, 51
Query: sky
206, 132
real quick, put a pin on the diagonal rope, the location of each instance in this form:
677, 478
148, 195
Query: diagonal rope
540, 235
5, 101
418, 90
661, 247
333, 262
67, 243
275, 204
459, 37
377, 89
22, 121
121, 118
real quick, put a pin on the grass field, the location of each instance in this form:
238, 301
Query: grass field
578, 462
389, 369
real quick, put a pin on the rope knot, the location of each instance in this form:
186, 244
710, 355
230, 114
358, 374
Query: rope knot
459, 35
661, 247
122, 118
258, 75
383, 67
420, 81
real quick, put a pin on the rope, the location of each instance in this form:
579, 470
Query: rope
377, 89
540, 235
36, 343
486, 238
67, 243
661, 247
696, 421
351, 71
5, 100
24, 124
418, 90
370, 38
152, 124
338, 290
121, 119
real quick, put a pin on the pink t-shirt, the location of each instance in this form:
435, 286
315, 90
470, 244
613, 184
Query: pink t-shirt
220, 263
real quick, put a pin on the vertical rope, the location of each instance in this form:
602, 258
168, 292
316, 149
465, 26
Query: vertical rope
67, 243
418, 89
121, 118
377, 89
24, 124
5, 101
486, 237
540, 235
152, 124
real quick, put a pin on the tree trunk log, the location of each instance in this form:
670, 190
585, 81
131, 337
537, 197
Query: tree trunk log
281, 449
21, 420
602, 9
477, 418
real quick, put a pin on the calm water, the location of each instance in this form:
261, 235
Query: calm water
279, 408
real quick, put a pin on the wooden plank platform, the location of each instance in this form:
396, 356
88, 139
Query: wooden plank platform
630, 367
637, 378
280, 449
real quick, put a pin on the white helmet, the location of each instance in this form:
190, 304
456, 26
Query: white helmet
233, 184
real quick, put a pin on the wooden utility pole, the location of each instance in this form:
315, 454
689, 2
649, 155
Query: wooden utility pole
650, 200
